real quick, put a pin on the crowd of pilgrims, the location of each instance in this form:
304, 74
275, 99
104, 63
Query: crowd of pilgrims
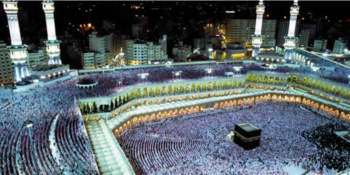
71, 151
111, 83
41, 105
333, 150
199, 145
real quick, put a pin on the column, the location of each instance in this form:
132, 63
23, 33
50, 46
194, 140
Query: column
90, 107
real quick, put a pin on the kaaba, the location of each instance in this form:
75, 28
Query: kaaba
247, 136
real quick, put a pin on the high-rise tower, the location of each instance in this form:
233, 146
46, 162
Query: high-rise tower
257, 37
18, 51
290, 40
52, 44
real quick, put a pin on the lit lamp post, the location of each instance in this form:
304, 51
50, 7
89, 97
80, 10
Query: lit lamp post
143, 76
209, 71
237, 68
29, 124
121, 58
210, 50
177, 74
168, 64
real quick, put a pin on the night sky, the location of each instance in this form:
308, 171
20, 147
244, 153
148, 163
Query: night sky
68, 12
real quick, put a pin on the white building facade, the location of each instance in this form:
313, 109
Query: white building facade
163, 44
36, 58
102, 49
92, 60
339, 46
138, 52
242, 30
304, 37
320, 44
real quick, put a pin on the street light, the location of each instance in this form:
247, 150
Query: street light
121, 58
176, 73
168, 64
209, 71
210, 50
237, 68
349, 80
143, 75
29, 124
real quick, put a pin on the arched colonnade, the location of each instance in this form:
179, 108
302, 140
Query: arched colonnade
153, 117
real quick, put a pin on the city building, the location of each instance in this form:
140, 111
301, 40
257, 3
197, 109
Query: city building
140, 53
36, 57
304, 37
46, 56
181, 52
234, 51
88, 60
269, 33
97, 43
312, 31
242, 30
320, 44
209, 29
339, 46
283, 27
128, 49
154, 51
6, 68
239, 30
109, 46
93, 60
102, 48
163, 43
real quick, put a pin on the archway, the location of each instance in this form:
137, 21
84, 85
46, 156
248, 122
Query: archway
147, 119
153, 117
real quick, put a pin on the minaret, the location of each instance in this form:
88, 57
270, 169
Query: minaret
257, 37
18, 51
290, 40
52, 44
